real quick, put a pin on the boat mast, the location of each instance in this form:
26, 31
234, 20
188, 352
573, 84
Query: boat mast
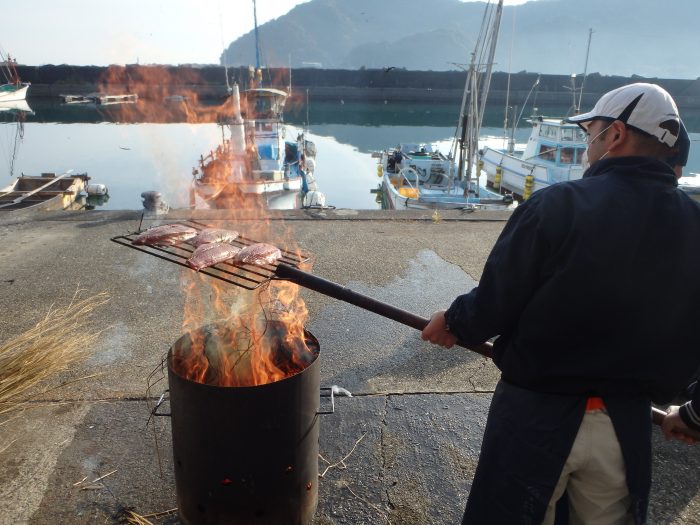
511, 144
9, 71
585, 69
480, 94
465, 109
464, 116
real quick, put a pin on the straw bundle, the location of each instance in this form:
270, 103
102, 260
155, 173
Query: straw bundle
60, 340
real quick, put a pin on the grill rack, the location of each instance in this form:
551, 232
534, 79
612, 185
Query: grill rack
248, 276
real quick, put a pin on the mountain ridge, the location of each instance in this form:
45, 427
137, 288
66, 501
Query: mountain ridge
550, 36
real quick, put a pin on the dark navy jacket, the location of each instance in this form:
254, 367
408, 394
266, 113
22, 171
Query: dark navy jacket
593, 288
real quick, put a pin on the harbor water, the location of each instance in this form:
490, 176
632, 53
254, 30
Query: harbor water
130, 158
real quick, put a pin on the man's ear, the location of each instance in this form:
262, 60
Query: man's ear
620, 130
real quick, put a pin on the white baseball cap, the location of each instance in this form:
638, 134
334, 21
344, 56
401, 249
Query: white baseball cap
645, 107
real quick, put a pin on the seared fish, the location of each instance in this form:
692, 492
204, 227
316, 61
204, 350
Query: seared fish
210, 254
165, 235
208, 235
259, 254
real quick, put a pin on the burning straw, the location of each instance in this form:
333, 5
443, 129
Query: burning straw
58, 341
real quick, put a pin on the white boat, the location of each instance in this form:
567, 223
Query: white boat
13, 89
554, 151
15, 106
553, 154
257, 163
420, 176
691, 185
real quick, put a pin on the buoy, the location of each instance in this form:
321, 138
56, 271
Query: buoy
314, 199
96, 189
498, 177
379, 170
529, 185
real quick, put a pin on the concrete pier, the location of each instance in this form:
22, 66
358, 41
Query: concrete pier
414, 425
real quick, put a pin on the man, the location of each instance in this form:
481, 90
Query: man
592, 289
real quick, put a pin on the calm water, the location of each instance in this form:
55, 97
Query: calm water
132, 158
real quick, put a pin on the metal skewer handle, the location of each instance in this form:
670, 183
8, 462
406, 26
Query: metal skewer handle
331, 289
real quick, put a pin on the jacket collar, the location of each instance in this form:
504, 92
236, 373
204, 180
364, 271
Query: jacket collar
646, 167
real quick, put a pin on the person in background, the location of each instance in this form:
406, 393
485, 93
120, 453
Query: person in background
592, 292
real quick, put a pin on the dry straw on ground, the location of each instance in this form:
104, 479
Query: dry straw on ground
63, 338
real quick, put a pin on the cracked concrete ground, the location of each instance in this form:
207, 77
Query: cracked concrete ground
410, 435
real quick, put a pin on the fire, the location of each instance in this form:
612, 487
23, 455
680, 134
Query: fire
252, 339
234, 337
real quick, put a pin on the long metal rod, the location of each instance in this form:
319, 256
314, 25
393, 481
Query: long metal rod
331, 289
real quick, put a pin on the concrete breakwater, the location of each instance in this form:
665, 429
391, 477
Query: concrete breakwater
391, 84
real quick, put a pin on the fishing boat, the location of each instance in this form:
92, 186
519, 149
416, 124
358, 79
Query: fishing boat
257, 162
46, 192
420, 176
553, 153
13, 89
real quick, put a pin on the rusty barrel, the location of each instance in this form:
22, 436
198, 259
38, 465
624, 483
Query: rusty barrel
246, 455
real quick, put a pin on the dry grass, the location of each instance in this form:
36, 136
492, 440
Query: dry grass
128, 516
63, 338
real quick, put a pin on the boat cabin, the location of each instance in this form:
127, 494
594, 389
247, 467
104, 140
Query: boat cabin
556, 142
265, 103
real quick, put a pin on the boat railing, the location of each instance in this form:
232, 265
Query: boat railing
405, 175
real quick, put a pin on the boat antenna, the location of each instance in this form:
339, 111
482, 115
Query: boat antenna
585, 70
537, 83
573, 109
257, 39
223, 46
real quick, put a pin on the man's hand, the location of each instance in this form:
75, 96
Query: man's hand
437, 333
673, 426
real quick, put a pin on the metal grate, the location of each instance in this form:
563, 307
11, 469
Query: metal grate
247, 276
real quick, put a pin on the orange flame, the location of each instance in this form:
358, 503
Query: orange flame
253, 338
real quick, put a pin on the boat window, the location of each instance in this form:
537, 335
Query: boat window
547, 152
568, 134
267, 152
567, 155
264, 126
549, 132
579, 155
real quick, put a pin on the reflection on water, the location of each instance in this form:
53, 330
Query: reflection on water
133, 158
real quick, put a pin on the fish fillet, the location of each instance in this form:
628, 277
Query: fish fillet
260, 254
208, 235
210, 254
165, 235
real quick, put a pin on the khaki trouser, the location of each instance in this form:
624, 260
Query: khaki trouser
594, 476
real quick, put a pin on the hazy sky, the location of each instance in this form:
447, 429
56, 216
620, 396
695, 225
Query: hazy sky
103, 32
